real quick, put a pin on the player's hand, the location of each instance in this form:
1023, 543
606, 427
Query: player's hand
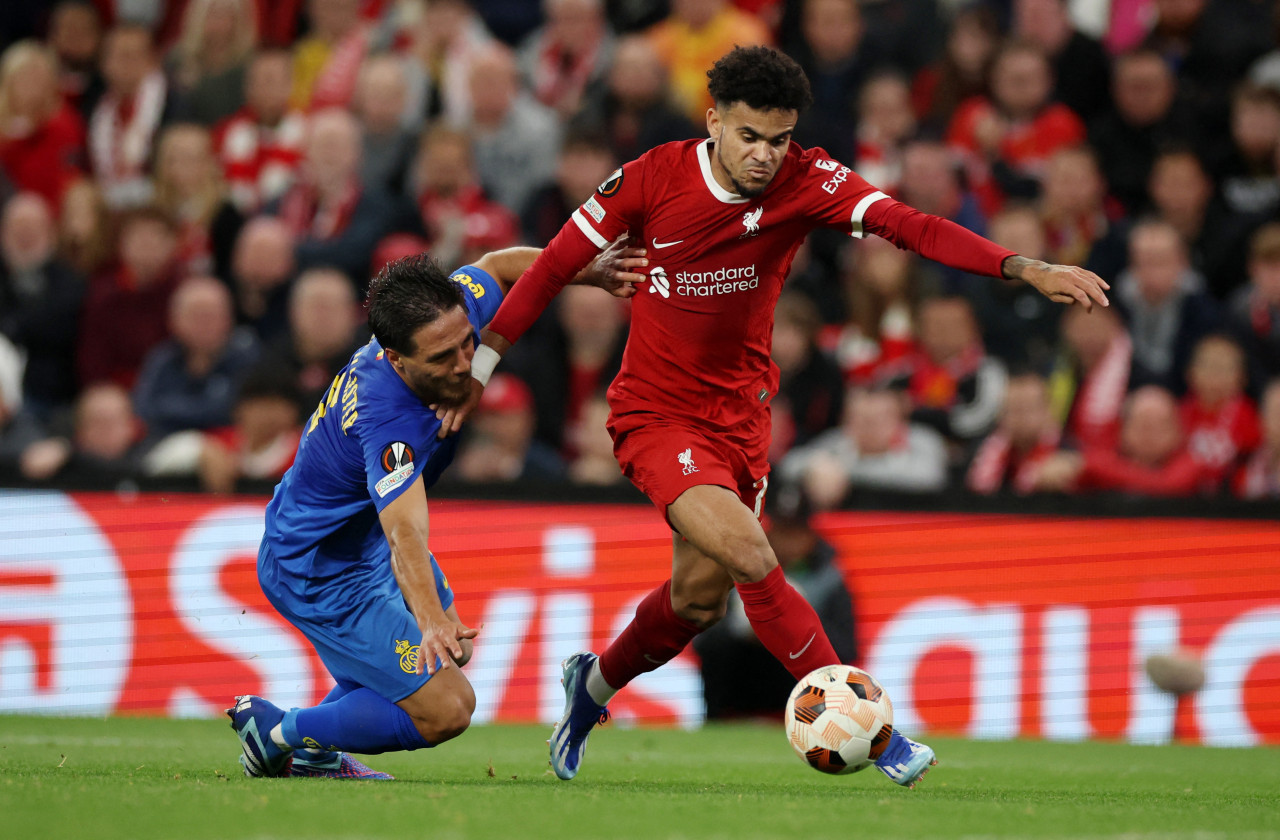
442, 640
1060, 283
612, 269
452, 417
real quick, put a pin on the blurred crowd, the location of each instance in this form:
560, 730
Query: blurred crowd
194, 193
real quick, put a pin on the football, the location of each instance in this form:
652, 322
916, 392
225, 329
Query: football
839, 719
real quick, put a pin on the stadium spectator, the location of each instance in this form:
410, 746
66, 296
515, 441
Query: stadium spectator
885, 125
326, 62
41, 136
632, 107
126, 310
335, 219
739, 676
810, 396
1151, 459
128, 117
570, 51
388, 147
884, 287
962, 71
1019, 326
75, 36
515, 138
837, 58
1163, 300
460, 221
324, 330
499, 446
1260, 476
84, 228
1220, 421
577, 357
1090, 376
1007, 137
1182, 194
262, 268
190, 380
262, 439
595, 463
189, 187
1211, 45
1081, 69
260, 146
1253, 314
17, 429
585, 163
1247, 176
443, 42
875, 448
40, 299
952, 384
105, 439
692, 37
209, 61
1146, 115
1079, 225
1009, 459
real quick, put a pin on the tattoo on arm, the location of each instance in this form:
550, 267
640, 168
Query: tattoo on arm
1014, 268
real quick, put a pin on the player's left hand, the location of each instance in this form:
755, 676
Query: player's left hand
1066, 283
452, 417
612, 269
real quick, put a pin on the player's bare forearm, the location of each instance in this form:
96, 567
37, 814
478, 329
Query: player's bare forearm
1059, 283
404, 521
507, 265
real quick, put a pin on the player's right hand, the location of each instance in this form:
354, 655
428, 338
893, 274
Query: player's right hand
452, 417
442, 641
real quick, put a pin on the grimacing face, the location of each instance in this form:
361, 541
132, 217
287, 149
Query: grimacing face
750, 145
439, 370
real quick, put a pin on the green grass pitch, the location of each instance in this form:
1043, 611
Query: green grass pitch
150, 778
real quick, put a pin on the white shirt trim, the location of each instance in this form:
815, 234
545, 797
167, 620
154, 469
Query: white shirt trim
704, 163
587, 230
860, 210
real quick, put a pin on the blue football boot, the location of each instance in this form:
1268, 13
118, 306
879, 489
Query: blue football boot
581, 713
904, 760
253, 719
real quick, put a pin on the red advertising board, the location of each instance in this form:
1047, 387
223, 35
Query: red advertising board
993, 625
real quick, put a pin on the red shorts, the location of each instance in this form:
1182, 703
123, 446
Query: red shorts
664, 458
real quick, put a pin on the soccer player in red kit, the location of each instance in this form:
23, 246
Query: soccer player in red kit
721, 220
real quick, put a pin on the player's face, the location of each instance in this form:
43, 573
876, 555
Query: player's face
439, 371
749, 146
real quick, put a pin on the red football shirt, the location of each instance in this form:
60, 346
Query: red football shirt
702, 328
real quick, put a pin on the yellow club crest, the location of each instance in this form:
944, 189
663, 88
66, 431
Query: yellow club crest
408, 655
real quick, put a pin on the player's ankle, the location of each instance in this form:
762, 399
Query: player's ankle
601, 692
277, 737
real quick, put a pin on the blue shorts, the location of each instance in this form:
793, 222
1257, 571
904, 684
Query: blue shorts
362, 628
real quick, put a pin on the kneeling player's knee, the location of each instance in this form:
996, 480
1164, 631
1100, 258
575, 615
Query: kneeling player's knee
448, 718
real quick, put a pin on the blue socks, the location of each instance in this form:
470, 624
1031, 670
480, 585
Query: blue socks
358, 720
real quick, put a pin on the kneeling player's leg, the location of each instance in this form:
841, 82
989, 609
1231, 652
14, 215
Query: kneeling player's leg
665, 622
717, 523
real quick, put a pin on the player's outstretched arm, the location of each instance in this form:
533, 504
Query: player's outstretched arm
405, 523
1059, 283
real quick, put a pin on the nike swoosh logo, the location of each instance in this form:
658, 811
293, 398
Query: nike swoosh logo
800, 652
661, 245
647, 656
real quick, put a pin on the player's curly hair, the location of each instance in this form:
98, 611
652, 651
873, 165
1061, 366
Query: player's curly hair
406, 295
760, 77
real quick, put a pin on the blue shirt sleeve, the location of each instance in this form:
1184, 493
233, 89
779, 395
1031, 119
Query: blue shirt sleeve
397, 445
483, 294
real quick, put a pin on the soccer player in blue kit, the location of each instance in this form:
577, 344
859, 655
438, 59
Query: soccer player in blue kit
345, 557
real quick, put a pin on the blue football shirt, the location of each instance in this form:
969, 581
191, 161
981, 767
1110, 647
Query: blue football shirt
367, 442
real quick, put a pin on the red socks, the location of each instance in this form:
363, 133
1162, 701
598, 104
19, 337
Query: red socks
786, 624
653, 638
783, 620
